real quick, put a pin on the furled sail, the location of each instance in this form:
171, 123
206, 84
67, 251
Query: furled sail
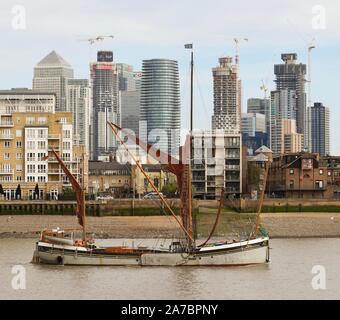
76, 188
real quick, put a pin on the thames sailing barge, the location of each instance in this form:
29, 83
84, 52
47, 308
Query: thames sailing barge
56, 247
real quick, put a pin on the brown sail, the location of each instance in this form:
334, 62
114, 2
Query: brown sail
180, 168
80, 212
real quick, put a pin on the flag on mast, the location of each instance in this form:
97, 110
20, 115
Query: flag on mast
188, 46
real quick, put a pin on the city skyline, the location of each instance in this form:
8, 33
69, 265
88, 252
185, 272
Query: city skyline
141, 35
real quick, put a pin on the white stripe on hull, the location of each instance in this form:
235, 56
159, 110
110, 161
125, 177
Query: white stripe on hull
254, 255
243, 256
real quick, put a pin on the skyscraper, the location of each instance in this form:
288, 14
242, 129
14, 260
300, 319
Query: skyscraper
253, 130
126, 77
105, 104
130, 103
160, 104
227, 96
129, 93
252, 123
262, 106
51, 75
283, 121
320, 135
78, 102
291, 76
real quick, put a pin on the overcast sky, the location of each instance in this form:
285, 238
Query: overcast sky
145, 29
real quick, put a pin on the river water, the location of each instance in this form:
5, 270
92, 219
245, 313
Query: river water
288, 276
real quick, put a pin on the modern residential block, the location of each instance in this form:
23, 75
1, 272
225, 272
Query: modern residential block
30, 129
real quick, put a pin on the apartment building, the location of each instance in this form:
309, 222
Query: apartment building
29, 130
121, 180
217, 164
297, 175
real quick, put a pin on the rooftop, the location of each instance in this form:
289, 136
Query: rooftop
53, 59
263, 149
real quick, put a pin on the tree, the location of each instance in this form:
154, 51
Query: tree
170, 190
254, 175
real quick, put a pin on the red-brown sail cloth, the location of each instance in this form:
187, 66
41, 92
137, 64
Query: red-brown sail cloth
173, 165
76, 188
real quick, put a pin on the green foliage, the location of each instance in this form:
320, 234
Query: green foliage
254, 175
68, 195
170, 190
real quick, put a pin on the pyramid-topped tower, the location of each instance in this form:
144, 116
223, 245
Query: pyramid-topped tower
51, 75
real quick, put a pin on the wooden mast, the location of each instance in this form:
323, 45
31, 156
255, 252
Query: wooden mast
189, 224
259, 209
84, 199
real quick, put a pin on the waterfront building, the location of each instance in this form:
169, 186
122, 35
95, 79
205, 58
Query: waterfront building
297, 175
30, 129
160, 107
320, 127
121, 180
78, 102
332, 163
105, 104
256, 169
217, 164
51, 75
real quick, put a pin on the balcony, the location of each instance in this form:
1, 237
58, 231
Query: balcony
232, 156
67, 160
198, 167
59, 171
211, 184
6, 171
6, 136
232, 167
198, 178
54, 137
6, 124
232, 190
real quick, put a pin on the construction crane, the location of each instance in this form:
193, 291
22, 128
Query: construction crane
237, 48
311, 46
264, 88
93, 40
